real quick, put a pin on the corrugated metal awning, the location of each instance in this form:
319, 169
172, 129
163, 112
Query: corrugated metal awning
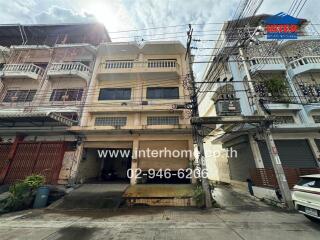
35, 118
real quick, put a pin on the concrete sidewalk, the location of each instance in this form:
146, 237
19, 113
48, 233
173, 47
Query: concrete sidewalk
235, 221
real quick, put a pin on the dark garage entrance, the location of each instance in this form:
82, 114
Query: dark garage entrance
115, 164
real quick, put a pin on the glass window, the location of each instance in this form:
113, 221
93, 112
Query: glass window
309, 182
66, 95
163, 93
115, 94
19, 95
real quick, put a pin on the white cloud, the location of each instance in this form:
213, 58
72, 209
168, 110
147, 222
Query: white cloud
57, 14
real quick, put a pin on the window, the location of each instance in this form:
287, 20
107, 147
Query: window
309, 182
163, 120
284, 119
115, 94
19, 95
110, 121
66, 95
163, 93
316, 118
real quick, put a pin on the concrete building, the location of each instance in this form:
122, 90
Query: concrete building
45, 71
130, 106
286, 79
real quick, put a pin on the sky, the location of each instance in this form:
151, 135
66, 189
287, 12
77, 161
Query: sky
121, 15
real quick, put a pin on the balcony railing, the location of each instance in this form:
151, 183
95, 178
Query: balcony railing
22, 70
304, 61
304, 64
265, 60
141, 64
146, 69
69, 68
264, 64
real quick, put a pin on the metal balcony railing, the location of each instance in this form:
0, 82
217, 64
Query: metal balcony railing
151, 64
304, 61
23, 68
69, 66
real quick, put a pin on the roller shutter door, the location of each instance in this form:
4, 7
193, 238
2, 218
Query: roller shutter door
241, 164
293, 154
162, 162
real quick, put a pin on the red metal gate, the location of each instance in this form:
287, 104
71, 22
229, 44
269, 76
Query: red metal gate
43, 158
4, 153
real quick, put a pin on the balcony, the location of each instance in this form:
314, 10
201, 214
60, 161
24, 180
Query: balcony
264, 65
304, 64
69, 69
27, 70
151, 69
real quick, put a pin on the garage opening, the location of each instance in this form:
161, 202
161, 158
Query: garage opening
115, 164
105, 165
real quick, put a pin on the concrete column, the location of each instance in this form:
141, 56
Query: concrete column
256, 152
76, 163
134, 162
315, 150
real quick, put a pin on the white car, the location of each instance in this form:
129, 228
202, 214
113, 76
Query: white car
306, 196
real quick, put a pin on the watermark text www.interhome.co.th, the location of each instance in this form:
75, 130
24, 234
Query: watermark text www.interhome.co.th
162, 153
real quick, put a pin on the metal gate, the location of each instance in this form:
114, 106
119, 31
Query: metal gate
4, 153
43, 158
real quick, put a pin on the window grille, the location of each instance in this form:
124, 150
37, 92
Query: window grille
163, 120
110, 121
19, 95
66, 95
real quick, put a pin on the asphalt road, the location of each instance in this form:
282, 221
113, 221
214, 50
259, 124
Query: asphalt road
239, 218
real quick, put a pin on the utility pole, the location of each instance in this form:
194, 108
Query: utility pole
197, 128
273, 152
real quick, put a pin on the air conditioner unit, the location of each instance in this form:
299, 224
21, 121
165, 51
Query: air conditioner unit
228, 107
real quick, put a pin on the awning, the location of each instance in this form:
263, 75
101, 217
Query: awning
33, 119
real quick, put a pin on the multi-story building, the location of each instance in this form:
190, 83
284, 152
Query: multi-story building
285, 76
45, 73
130, 106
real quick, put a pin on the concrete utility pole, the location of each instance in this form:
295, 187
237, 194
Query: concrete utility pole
197, 128
273, 152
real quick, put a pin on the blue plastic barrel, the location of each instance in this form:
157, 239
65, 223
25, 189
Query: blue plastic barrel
41, 197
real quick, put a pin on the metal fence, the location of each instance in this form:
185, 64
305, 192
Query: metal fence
265, 177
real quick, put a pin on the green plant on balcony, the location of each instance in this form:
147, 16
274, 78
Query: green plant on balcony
278, 89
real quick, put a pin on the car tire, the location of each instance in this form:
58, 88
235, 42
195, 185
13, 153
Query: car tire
313, 219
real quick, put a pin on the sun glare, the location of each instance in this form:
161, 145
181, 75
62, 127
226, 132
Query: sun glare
105, 15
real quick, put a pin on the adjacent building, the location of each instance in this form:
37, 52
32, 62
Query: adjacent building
286, 79
45, 74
